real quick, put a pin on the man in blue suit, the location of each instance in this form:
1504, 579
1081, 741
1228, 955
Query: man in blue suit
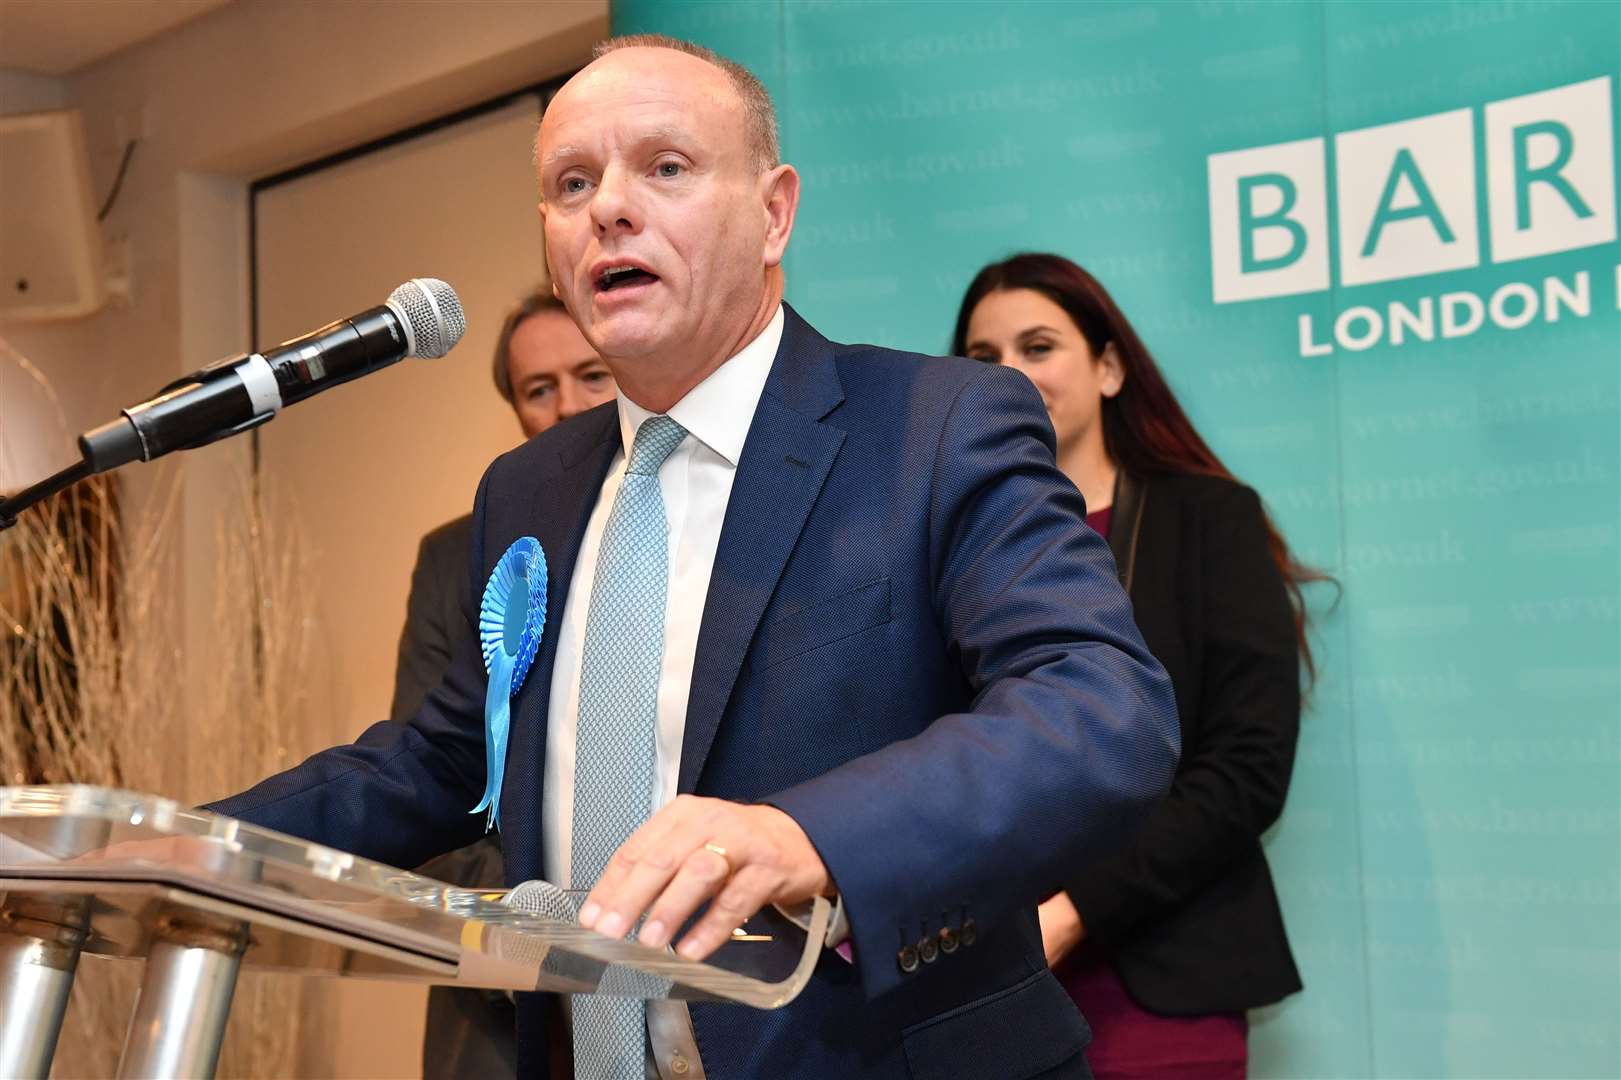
823, 619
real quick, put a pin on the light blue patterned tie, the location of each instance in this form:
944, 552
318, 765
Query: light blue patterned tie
614, 740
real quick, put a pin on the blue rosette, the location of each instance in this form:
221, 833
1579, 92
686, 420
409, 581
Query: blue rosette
511, 619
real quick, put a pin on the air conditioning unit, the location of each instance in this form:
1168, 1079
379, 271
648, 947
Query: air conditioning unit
50, 242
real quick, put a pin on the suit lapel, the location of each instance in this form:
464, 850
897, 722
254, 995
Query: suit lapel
784, 463
557, 506
1126, 525
560, 509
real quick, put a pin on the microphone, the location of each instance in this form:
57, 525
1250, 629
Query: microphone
421, 318
542, 898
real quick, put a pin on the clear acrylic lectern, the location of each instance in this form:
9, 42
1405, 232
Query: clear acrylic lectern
96, 872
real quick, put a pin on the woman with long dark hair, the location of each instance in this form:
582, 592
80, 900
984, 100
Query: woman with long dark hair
1166, 943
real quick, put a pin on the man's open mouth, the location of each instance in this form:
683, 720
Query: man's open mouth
618, 277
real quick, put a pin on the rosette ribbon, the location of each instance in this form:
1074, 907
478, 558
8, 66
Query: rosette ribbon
510, 622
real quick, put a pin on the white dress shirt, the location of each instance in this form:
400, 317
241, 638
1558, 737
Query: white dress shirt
696, 482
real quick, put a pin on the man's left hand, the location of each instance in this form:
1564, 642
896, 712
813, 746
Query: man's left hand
695, 849
1061, 927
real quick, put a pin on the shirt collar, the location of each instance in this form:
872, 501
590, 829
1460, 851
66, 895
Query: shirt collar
718, 411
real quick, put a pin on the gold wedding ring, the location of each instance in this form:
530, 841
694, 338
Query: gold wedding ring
718, 850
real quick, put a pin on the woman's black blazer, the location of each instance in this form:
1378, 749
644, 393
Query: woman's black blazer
1188, 907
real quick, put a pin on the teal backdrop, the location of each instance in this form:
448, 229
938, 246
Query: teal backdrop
1450, 858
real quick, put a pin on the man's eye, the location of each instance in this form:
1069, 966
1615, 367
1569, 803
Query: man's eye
668, 169
573, 185
538, 392
597, 378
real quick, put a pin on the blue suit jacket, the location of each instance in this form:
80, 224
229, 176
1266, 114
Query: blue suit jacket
912, 644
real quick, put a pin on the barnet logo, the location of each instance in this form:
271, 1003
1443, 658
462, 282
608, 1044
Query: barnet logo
1404, 196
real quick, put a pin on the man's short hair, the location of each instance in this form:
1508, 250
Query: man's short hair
764, 142
536, 302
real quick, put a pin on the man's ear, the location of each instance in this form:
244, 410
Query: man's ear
540, 208
780, 192
1113, 371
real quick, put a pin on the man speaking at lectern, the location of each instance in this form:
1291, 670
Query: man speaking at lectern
828, 613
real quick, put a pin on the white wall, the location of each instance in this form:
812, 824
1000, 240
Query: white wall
23, 91
30, 429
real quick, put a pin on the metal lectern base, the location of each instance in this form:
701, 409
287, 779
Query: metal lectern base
38, 956
185, 999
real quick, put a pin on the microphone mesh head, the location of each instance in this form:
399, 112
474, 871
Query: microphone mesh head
432, 315
542, 898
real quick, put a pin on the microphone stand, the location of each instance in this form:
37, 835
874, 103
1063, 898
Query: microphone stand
106, 448
10, 508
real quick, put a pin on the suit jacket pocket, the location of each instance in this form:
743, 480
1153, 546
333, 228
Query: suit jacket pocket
823, 623
1027, 1029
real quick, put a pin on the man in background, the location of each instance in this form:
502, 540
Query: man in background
547, 372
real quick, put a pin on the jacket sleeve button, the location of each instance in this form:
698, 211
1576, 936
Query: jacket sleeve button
948, 940
928, 949
907, 959
969, 932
